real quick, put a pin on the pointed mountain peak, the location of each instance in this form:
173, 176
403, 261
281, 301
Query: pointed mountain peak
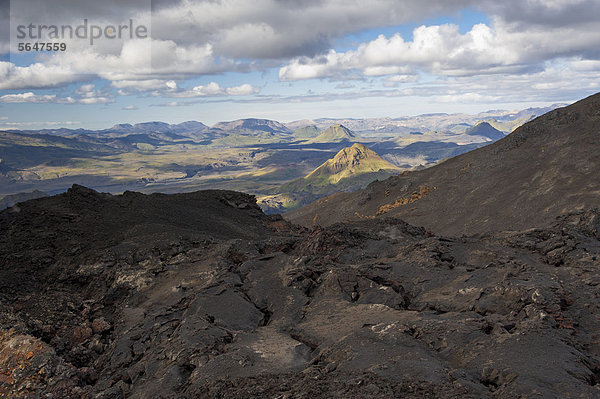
352, 168
361, 147
355, 153
355, 160
484, 129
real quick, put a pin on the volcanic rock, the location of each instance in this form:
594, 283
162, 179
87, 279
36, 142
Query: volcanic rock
202, 295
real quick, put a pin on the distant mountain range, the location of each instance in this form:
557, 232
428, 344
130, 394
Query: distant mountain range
505, 121
252, 125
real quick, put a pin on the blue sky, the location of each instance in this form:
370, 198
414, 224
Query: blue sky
289, 60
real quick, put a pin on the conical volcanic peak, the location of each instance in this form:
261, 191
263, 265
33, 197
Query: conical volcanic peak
355, 160
484, 129
352, 168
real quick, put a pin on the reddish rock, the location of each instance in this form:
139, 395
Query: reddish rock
100, 325
80, 333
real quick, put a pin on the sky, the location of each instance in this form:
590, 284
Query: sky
219, 60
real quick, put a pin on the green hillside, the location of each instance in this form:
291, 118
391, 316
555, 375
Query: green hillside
334, 134
307, 132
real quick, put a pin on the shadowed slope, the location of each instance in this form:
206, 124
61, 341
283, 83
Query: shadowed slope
484, 129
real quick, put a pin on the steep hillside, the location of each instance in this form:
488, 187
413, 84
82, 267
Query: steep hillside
334, 134
543, 169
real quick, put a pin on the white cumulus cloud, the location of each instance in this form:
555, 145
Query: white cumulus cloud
214, 89
444, 50
28, 97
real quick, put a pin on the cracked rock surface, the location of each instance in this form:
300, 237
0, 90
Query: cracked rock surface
202, 295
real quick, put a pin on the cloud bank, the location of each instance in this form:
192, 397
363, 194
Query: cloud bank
540, 47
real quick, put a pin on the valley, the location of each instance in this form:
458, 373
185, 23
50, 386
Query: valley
258, 156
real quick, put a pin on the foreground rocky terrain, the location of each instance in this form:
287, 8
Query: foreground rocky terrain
202, 295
